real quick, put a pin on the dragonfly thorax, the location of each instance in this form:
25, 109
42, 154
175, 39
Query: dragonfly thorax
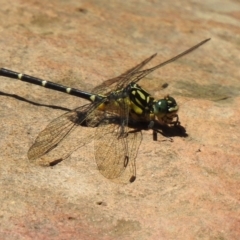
141, 101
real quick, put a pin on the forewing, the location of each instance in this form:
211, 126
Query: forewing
141, 74
135, 75
57, 135
134, 140
115, 147
121, 81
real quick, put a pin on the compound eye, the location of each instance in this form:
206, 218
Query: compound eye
161, 106
165, 106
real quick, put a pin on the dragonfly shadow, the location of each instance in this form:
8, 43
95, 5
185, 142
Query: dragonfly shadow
171, 131
33, 103
165, 130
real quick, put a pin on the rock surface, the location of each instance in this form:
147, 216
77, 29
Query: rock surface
185, 189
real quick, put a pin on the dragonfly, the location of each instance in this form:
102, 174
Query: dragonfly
118, 111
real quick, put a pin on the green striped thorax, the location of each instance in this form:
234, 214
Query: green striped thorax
145, 106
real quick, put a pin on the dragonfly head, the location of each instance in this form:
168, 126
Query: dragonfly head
166, 110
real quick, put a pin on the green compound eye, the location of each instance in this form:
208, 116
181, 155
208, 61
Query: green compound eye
165, 106
161, 106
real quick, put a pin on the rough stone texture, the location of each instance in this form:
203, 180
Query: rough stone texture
185, 189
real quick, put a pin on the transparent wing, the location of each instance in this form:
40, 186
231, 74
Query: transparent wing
134, 139
115, 155
141, 74
116, 83
134, 75
115, 146
60, 129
